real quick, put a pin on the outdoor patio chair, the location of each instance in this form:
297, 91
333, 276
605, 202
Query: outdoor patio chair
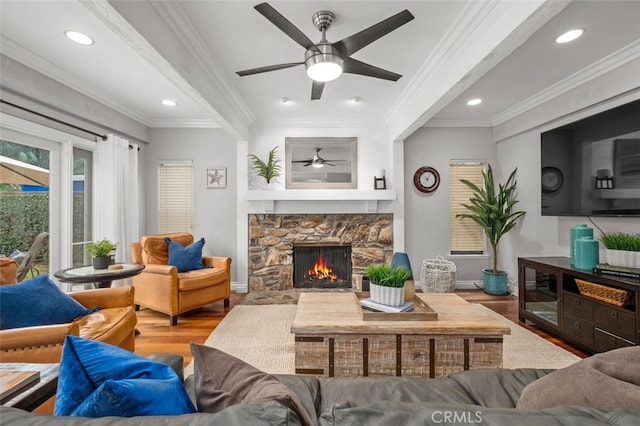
27, 263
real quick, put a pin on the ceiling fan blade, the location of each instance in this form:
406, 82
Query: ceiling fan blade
354, 66
316, 90
329, 164
350, 45
302, 161
285, 25
268, 68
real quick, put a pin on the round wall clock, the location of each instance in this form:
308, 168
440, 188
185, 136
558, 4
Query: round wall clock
552, 179
426, 179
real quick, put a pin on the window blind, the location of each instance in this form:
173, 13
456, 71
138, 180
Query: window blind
175, 198
467, 237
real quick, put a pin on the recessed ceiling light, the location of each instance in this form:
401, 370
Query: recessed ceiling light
79, 38
169, 102
569, 36
355, 100
285, 100
475, 101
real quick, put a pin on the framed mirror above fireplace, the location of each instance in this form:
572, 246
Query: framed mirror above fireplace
321, 163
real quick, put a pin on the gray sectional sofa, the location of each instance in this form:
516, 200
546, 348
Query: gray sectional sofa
484, 397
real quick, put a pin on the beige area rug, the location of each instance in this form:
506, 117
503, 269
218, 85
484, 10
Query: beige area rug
260, 335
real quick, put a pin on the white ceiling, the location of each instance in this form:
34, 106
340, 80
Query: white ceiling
140, 48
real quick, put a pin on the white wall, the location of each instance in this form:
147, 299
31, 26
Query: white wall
214, 209
427, 216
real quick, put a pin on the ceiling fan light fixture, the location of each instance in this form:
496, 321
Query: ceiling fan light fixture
325, 65
317, 165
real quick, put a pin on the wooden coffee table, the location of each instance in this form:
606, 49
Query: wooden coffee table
332, 339
36, 393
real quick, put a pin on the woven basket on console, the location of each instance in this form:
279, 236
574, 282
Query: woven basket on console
615, 296
438, 276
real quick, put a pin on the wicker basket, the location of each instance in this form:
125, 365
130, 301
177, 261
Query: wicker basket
438, 275
615, 296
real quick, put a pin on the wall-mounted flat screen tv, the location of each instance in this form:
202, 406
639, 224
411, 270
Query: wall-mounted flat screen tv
591, 167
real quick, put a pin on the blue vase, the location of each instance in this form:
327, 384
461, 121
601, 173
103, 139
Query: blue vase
578, 231
401, 260
586, 253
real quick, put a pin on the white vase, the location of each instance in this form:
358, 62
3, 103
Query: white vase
391, 296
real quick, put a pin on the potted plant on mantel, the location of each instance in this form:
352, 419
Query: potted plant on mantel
494, 211
387, 283
268, 170
100, 252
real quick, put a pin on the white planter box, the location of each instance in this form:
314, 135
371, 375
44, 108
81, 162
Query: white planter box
629, 259
391, 296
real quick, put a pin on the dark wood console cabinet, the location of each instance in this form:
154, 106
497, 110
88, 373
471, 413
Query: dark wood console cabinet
549, 297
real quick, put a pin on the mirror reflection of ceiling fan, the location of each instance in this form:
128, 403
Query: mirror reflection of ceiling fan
317, 161
326, 61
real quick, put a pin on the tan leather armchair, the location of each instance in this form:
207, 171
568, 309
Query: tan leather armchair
162, 288
114, 324
8, 271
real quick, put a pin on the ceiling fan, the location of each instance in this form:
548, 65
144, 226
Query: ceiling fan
317, 161
326, 61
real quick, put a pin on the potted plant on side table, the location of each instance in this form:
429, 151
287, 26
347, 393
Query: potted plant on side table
493, 209
387, 283
268, 170
100, 252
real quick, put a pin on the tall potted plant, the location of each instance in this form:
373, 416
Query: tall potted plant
387, 283
269, 169
494, 210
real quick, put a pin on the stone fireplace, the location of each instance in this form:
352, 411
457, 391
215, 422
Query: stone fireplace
273, 238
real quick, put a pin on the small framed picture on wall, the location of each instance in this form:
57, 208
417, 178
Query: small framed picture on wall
217, 178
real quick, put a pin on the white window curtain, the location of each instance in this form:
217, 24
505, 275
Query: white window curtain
116, 194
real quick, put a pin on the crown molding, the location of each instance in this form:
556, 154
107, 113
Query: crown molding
617, 59
26, 57
446, 122
178, 22
186, 123
110, 17
314, 123
472, 16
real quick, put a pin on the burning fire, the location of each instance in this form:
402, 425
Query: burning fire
321, 271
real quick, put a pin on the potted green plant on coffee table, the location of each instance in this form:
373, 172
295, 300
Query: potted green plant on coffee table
494, 210
100, 252
387, 283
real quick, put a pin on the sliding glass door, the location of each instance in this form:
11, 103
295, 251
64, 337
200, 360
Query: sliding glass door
24, 202
59, 196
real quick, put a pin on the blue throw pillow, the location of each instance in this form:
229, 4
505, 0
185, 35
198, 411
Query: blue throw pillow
38, 301
185, 258
97, 380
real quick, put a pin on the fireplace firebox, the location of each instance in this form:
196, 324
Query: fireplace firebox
321, 265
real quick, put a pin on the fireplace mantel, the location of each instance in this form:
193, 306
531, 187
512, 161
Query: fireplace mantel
321, 195
269, 199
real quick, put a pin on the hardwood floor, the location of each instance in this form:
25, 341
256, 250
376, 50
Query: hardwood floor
157, 336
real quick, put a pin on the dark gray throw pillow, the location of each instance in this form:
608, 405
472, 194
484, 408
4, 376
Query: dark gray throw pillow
222, 380
608, 380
